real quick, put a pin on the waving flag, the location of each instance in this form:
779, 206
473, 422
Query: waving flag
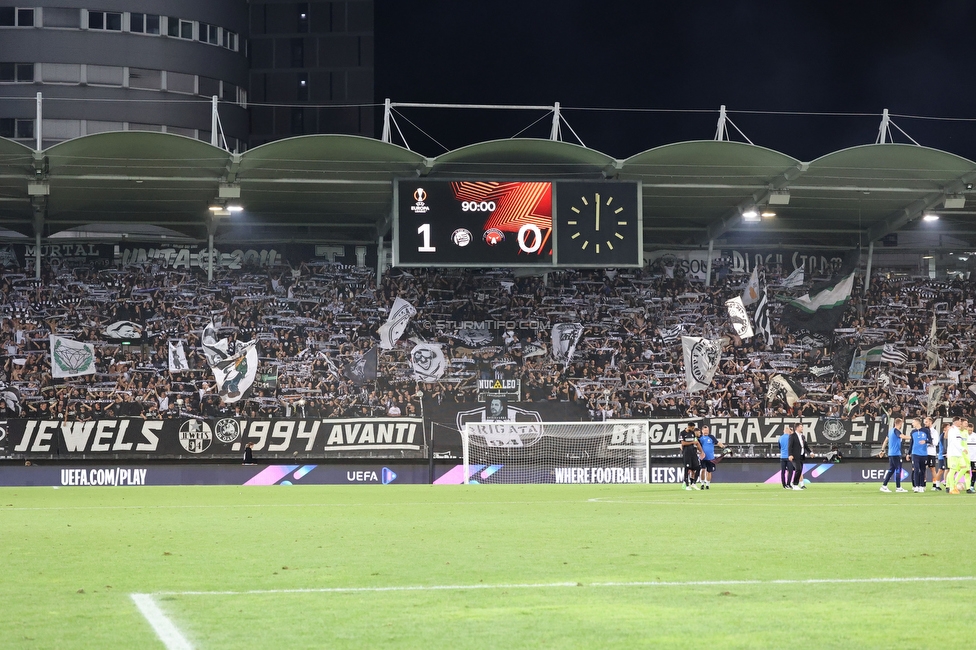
70, 358
565, 336
702, 357
400, 315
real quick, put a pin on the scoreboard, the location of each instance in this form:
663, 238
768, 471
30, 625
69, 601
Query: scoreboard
517, 223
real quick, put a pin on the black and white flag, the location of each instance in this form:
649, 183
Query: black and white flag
362, 370
784, 389
932, 347
739, 317
533, 349
892, 355
400, 315
177, 357
672, 334
235, 371
565, 336
702, 357
428, 362
763, 324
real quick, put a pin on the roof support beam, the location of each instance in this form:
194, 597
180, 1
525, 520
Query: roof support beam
732, 218
915, 209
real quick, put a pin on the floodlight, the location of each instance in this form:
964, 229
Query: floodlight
954, 201
930, 217
779, 197
750, 214
235, 208
767, 214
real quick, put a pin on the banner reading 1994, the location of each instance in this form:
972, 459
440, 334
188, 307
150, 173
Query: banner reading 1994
186, 438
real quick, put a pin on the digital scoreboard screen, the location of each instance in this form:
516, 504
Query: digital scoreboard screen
516, 223
474, 223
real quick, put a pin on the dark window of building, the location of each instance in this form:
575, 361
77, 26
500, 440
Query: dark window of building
228, 92
208, 87
298, 52
297, 121
303, 86
302, 17
179, 28
21, 72
6, 127
25, 18
208, 34
25, 129
109, 20
230, 40
8, 18
143, 23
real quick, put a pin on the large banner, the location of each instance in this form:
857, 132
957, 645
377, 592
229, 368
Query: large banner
447, 419
663, 434
236, 256
136, 438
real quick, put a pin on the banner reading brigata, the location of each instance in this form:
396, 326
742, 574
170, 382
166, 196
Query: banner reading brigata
135, 438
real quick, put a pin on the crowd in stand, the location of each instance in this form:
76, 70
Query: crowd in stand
314, 319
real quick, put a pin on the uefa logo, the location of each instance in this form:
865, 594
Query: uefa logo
461, 237
420, 195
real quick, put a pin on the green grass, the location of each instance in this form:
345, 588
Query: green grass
112, 542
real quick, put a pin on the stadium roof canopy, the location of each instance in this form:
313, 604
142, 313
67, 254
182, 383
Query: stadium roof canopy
339, 188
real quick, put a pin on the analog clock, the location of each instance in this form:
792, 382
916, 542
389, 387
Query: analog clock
598, 224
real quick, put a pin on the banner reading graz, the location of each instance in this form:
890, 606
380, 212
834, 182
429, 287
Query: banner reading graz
663, 434
186, 438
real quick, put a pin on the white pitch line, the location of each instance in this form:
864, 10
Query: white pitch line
165, 629
553, 585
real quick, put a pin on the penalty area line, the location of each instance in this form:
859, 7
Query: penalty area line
556, 585
165, 629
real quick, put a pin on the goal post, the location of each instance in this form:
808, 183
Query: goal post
613, 451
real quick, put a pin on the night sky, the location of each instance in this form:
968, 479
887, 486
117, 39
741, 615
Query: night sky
820, 56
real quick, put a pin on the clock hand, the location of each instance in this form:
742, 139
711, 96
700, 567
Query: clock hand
597, 211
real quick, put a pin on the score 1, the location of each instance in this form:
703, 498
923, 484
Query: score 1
424, 230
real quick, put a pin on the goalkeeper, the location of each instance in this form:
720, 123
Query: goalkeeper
957, 454
691, 453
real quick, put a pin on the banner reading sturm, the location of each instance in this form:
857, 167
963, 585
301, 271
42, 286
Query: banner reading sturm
135, 438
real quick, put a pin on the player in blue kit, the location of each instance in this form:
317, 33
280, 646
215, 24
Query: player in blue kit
785, 466
921, 438
892, 444
708, 443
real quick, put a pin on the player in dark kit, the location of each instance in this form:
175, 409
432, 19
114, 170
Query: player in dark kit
691, 453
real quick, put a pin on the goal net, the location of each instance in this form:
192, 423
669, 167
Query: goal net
614, 451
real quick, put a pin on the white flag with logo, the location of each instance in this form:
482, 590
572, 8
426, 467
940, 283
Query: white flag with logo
428, 362
70, 358
739, 318
400, 315
751, 293
236, 373
565, 336
177, 357
702, 357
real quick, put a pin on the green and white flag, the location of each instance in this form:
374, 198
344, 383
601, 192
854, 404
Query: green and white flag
70, 358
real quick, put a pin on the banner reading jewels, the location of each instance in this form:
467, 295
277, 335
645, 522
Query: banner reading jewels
135, 438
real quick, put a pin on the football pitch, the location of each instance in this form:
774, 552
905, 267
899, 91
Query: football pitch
573, 566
